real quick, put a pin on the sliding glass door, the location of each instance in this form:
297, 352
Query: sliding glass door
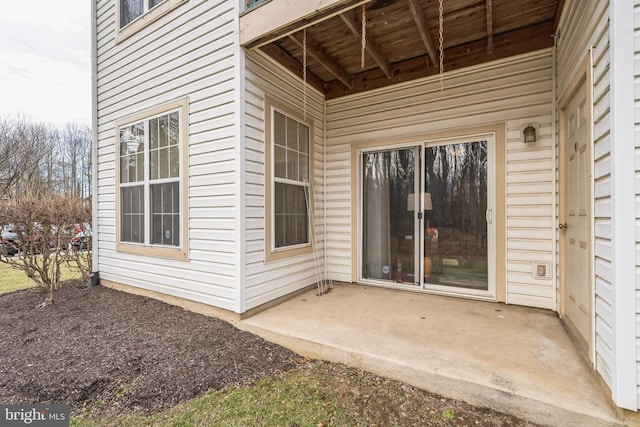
389, 223
456, 230
426, 216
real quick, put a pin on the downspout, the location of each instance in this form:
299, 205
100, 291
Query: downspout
95, 265
324, 185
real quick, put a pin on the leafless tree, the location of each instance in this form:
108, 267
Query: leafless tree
43, 237
45, 190
36, 156
75, 158
23, 145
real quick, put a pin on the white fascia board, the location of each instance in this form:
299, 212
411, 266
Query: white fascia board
275, 15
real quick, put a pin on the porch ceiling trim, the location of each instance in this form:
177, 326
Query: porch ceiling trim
279, 18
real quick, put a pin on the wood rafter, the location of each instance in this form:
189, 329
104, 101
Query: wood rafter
400, 33
319, 54
418, 17
290, 63
370, 46
465, 55
490, 46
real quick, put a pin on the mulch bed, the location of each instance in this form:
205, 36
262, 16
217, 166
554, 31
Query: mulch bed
127, 352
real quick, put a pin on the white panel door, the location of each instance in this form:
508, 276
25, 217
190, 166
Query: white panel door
577, 196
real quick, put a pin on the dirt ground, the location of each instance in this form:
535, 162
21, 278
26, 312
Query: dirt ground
105, 352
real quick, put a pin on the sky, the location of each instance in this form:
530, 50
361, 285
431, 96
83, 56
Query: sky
45, 61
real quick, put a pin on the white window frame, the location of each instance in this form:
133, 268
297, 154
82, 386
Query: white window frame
148, 16
271, 252
146, 247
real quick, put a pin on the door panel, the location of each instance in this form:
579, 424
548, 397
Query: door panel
456, 239
389, 222
426, 217
577, 210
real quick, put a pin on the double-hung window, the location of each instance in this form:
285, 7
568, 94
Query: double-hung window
132, 15
130, 10
151, 208
289, 155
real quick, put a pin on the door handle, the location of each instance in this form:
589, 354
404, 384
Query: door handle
563, 226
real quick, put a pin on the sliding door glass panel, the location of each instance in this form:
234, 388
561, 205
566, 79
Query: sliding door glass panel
455, 228
389, 216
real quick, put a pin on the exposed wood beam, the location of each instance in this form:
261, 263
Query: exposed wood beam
319, 54
370, 46
506, 44
276, 19
291, 64
490, 46
418, 16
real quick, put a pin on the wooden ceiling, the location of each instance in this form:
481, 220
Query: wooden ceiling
402, 40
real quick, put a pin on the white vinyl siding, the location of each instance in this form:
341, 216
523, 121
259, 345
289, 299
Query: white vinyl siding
507, 93
586, 25
530, 215
134, 15
187, 53
266, 281
130, 10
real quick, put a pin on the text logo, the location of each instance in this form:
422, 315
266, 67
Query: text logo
34, 415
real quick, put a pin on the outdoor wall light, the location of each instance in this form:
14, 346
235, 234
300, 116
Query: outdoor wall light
530, 133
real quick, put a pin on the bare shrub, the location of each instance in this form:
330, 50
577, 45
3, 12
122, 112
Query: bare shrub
44, 227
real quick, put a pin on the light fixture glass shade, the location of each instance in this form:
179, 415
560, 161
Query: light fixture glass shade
529, 134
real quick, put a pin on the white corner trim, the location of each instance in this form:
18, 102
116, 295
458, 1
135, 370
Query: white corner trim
624, 384
240, 87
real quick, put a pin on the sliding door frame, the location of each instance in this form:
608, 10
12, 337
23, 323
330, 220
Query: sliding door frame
498, 131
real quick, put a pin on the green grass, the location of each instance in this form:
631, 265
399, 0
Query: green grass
13, 279
317, 394
288, 400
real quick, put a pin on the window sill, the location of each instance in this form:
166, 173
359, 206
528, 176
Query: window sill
179, 254
287, 253
145, 19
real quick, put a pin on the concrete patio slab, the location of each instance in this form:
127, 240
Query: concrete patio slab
513, 359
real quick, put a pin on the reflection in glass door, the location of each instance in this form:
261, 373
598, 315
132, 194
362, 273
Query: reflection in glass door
389, 220
456, 243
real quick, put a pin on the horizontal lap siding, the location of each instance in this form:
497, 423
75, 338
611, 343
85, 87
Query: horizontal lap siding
266, 281
585, 25
189, 52
508, 92
530, 212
